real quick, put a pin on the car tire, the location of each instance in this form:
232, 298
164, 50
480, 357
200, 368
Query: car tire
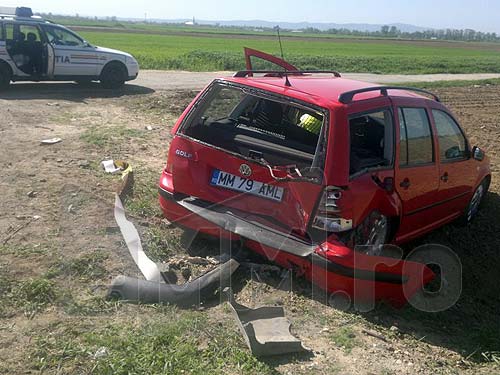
373, 233
475, 203
5, 77
113, 76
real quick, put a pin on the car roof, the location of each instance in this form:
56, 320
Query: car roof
34, 19
321, 90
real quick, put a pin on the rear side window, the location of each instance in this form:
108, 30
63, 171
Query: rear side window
9, 31
452, 143
22, 33
415, 139
372, 140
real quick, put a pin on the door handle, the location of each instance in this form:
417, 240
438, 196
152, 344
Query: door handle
445, 177
405, 184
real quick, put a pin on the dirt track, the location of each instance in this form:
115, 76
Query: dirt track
175, 80
76, 246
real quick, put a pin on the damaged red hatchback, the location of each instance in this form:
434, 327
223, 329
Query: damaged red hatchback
318, 173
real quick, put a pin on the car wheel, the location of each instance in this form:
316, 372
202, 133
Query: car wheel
5, 77
475, 202
113, 76
372, 234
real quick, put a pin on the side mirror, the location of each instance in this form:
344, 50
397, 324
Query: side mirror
477, 153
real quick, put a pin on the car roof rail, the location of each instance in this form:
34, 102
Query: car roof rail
347, 97
282, 73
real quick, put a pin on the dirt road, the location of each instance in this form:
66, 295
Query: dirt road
54, 269
174, 80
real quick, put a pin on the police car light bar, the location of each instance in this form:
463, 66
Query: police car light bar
18, 12
8, 11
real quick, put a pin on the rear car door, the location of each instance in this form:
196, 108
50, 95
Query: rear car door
27, 48
73, 56
417, 171
457, 170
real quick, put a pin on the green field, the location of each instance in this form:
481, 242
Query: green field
206, 52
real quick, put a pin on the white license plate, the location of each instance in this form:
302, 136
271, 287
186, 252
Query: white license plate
245, 185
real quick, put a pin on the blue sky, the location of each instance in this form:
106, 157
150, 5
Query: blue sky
483, 15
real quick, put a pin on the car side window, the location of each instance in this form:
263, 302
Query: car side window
416, 146
61, 37
372, 140
9, 32
22, 33
452, 143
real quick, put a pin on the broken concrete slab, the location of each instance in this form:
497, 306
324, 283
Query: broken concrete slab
266, 330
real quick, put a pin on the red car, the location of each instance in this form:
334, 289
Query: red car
317, 173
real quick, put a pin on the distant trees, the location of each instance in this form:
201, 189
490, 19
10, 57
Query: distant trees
433, 34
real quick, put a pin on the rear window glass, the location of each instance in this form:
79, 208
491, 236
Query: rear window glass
277, 131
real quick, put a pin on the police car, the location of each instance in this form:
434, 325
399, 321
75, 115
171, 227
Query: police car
35, 49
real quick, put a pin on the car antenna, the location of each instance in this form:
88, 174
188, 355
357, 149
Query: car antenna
287, 81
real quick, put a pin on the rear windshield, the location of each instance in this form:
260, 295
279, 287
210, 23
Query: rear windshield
269, 129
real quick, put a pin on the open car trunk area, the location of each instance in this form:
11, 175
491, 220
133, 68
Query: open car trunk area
261, 155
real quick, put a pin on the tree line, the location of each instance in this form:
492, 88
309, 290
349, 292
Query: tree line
432, 34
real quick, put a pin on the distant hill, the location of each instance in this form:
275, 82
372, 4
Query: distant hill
300, 25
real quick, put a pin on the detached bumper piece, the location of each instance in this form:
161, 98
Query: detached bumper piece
331, 265
187, 295
266, 330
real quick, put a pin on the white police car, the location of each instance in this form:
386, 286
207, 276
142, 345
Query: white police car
34, 49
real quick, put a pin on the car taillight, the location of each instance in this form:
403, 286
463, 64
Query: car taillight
166, 181
169, 167
328, 214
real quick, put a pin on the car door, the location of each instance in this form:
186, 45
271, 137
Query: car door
417, 171
73, 57
457, 170
27, 48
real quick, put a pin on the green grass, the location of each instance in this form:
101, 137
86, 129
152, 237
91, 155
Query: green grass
106, 136
160, 245
345, 338
143, 200
199, 53
34, 295
87, 267
176, 343
24, 250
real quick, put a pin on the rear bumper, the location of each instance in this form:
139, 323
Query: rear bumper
331, 265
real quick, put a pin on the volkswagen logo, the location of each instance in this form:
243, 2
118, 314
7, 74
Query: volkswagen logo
245, 170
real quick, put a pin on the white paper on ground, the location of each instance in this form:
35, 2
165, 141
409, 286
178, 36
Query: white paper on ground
148, 268
110, 167
51, 141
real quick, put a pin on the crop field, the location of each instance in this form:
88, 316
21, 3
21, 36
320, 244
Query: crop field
214, 52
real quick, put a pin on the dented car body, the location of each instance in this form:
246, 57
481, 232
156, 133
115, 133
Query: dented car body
318, 173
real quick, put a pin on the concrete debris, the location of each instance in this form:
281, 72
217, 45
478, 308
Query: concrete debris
266, 329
